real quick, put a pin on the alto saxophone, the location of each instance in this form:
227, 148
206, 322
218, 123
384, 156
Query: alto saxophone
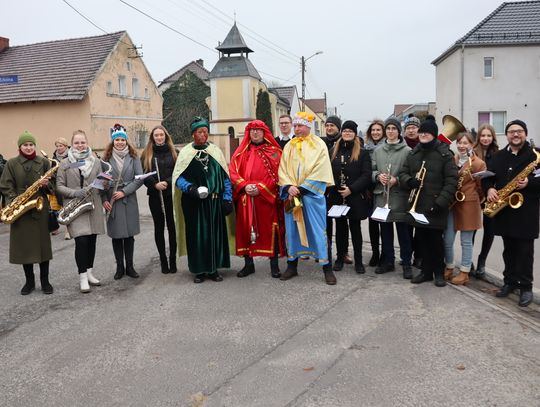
507, 194
23, 203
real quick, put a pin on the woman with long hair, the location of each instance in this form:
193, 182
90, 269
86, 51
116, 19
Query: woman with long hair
351, 167
29, 238
160, 155
374, 136
485, 147
120, 200
465, 212
75, 183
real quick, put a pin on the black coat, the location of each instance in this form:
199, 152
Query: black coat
440, 182
166, 167
358, 179
521, 223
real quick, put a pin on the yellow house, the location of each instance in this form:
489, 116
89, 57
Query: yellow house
234, 85
53, 88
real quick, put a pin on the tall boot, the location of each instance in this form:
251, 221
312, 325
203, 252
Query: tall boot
129, 248
249, 267
46, 287
292, 270
30, 283
164, 263
83, 279
118, 249
92, 280
274, 267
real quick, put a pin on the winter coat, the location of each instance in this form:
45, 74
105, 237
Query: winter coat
29, 239
521, 223
439, 186
68, 180
357, 176
166, 166
468, 213
394, 154
123, 220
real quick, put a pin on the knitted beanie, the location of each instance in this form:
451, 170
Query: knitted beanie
26, 137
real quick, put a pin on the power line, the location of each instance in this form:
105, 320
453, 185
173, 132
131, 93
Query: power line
166, 25
86, 18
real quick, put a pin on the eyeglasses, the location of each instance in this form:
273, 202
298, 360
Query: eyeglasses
518, 132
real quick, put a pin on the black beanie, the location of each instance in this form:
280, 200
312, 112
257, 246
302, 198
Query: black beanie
520, 123
393, 120
334, 120
351, 125
429, 126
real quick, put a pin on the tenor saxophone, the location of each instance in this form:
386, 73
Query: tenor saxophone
508, 194
24, 202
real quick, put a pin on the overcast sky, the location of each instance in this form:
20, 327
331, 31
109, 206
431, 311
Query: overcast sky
375, 53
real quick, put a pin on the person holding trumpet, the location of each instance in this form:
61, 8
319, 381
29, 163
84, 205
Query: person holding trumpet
430, 171
465, 213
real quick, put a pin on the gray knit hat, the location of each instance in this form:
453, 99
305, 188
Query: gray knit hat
393, 120
411, 121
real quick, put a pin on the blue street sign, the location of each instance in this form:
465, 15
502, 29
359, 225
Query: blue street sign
9, 79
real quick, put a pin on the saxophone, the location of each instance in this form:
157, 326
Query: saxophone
23, 203
507, 196
78, 206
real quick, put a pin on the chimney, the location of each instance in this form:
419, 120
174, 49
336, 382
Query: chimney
4, 43
200, 62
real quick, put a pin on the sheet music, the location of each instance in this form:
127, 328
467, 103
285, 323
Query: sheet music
420, 218
380, 214
98, 184
337, 211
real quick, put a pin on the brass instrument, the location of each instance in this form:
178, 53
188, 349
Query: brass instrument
415, 193
342, 177
460, 196
507, 196
78, 206
452, 127
23, 203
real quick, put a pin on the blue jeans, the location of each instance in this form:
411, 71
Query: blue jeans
466, 245
404, 239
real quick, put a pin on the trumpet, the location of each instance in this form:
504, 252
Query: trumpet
415, 193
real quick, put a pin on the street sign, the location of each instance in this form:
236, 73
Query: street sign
7, 79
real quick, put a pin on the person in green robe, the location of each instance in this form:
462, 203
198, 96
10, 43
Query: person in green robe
202, 200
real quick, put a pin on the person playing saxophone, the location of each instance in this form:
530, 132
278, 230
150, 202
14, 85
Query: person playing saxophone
74, 183
29, 238
517, 226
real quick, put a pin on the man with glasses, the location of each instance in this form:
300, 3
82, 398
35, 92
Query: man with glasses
518, 227
285, 130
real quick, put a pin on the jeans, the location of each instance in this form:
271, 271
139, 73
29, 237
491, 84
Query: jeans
466, 245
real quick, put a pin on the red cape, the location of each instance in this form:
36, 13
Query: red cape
261, 214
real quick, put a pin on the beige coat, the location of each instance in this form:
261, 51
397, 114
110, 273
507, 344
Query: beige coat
67, 182
468, 214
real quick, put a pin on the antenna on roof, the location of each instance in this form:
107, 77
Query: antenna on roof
136, 53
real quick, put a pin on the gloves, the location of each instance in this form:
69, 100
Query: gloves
435, 209
413, 183
81, 192
227, 207
192, 191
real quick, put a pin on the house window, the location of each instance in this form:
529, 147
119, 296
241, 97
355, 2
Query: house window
146, 93
122, 89
128, 66
109, 88
142, 138
316, 127
135, 87
496, 119
488, 67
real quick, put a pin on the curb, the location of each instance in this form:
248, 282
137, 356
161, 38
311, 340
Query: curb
495, 278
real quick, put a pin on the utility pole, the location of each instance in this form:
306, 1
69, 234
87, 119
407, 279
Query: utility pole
303, 65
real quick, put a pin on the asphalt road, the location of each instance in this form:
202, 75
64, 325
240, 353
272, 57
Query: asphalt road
160, 340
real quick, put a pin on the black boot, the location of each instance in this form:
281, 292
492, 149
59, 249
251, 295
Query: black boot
439, 279
30, 283
164, 264
291, 271
480, 268
172, 264
129, 247
274, 267
407, 272
249, 267
338, 265
46, 287
374, 261
118, 249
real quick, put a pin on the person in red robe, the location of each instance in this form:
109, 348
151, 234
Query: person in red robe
259, 210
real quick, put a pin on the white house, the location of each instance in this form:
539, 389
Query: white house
492, 74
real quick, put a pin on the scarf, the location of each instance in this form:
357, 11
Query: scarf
86, 155
28, 156
118, 157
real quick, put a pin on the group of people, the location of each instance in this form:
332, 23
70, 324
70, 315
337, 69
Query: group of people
286, 192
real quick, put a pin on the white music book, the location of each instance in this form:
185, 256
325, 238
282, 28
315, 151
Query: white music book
337, 211
380, 214
419, 218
